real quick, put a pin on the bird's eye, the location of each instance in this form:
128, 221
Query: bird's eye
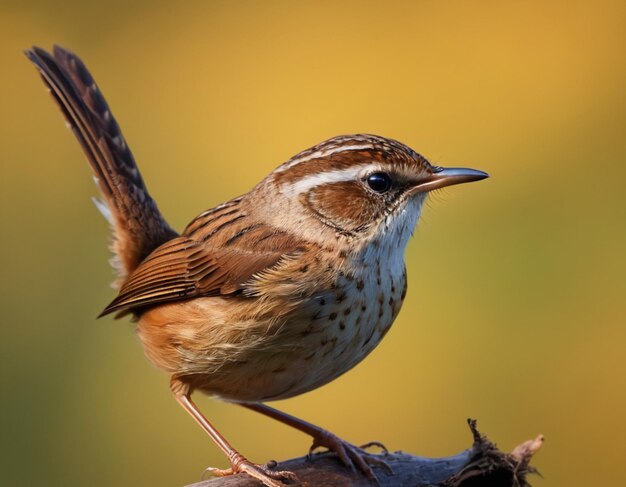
379, 182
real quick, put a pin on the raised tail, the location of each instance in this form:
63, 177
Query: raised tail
138, 226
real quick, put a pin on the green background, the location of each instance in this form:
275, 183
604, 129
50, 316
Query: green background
515, 313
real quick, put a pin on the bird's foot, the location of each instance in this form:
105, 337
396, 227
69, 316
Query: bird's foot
352, 456
264, 473
377, 444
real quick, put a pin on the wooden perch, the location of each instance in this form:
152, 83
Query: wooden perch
481, 465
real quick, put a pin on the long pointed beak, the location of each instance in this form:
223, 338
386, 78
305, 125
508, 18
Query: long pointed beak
447, 176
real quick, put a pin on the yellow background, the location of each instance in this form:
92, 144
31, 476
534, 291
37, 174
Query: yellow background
515, 312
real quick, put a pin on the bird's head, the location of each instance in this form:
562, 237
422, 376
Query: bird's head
360, 187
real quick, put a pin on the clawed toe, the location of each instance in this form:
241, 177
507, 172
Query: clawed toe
263, 473
268, 469
376, 444
352, 456
379, 462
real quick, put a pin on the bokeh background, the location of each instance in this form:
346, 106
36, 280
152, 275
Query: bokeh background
515, 312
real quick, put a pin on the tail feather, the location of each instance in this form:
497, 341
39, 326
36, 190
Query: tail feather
138, 226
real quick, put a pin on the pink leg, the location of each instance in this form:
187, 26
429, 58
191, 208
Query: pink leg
348, 453
237, 461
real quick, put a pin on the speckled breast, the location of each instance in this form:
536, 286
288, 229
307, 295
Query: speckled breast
337, 329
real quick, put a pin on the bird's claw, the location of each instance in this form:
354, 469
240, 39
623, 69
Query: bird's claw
350, 455
264, 473
376, 444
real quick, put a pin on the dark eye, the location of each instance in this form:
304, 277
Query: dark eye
379, 182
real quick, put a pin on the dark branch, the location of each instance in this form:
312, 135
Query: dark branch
481, 465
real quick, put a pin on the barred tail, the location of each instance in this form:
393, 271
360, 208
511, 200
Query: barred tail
138, 226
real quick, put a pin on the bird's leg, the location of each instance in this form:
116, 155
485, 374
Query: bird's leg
238, 463
349, 454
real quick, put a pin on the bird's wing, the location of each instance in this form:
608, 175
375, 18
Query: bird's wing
186, 267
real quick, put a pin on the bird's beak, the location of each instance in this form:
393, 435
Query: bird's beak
447, 176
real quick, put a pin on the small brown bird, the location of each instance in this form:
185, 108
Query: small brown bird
273, 293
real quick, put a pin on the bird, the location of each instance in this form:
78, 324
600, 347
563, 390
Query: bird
271, 294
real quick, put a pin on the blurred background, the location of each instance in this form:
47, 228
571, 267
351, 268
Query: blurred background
515, 313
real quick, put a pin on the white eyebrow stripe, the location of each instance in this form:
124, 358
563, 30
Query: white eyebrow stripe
335, 176
323, 153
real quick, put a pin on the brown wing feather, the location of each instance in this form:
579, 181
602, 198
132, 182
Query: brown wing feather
185, 267
138, 225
